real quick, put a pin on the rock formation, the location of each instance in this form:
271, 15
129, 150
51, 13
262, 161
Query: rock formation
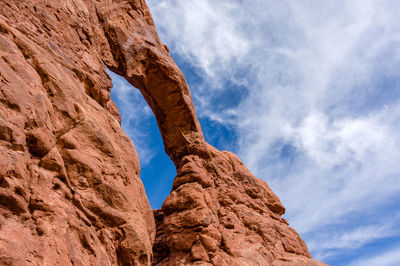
70, 192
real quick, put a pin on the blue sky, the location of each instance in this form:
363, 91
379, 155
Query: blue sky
307, 94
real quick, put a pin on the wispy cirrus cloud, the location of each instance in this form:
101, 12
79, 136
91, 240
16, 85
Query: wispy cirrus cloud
312, 91
331, 243
388, 258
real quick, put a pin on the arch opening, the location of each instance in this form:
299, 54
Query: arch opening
138, 122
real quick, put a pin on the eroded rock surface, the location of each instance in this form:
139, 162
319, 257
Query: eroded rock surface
218, 213
70, 192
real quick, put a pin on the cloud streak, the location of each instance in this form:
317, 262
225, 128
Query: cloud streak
389, 258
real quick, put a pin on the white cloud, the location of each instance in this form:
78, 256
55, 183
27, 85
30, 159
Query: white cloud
194, 22
320, 114
331, 243
389, 258
341, 141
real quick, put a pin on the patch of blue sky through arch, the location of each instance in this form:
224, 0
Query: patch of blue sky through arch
138, 122
307, 93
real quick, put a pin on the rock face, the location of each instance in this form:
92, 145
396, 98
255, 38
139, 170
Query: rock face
218, 213
70, 192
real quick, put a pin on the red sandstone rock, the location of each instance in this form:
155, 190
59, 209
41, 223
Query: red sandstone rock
70, 191
222, 215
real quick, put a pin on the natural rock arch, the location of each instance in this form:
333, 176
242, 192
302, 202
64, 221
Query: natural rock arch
70, 191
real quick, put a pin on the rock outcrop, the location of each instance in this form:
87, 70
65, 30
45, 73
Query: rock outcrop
218, 213
70, 192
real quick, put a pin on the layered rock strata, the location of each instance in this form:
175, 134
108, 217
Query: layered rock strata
70, 192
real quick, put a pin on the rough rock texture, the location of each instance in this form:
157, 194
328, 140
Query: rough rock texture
218, 213
70, 192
